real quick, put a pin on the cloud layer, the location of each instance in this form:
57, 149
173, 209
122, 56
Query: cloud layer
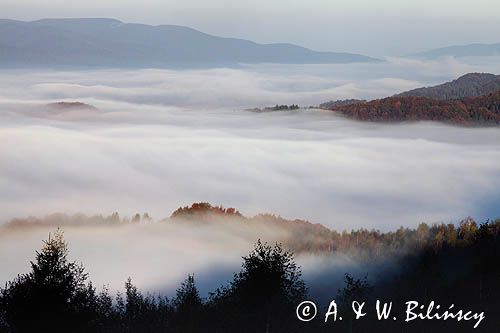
162, 139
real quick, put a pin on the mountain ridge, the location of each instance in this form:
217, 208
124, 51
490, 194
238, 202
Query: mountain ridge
468, 85
101, 42
465, 50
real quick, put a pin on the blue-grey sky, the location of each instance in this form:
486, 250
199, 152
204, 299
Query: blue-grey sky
383, 27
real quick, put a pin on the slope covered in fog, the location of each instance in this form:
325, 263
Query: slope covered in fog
111, 43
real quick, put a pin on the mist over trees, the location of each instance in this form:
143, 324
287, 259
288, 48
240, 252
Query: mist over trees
300, 236
57, 296
442, 263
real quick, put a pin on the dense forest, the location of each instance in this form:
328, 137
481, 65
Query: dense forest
472, 99
483, 110
340, 102
445, 263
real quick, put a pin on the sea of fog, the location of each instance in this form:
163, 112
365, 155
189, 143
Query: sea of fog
161, 139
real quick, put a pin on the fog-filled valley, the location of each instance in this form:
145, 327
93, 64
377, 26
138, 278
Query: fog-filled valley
160, 139
150, 141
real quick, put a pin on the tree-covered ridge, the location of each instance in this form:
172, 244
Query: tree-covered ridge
310, 237
468, 85
204, 210
341, 102
297, 235
305, 236
483, 110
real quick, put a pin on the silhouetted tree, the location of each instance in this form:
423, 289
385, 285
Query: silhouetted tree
438, 262
355, 289
55, 296
262, 297
187, 307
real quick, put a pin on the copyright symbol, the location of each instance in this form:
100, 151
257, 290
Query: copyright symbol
306, 311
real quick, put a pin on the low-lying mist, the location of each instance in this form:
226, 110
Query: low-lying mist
159, 255
159, 139
312, 165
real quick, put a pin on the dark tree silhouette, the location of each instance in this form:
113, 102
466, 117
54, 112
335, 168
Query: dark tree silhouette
140, 313
187, 307
442, 263
264, 294
355, 289
55, 296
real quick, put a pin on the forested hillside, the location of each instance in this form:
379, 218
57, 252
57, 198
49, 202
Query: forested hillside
468, 85
483, 110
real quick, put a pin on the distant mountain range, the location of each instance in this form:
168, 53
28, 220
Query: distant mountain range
472, 99
111, 43
469, 50
468, 85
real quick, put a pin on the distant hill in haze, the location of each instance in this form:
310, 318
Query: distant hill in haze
70, 106
469, 50
483, 110
111, 43
468, 85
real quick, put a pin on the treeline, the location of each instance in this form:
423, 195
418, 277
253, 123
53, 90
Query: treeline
308, 237
277, 107
300, 236
460, 269
284, 107
57, 296
460, 266
340, 102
